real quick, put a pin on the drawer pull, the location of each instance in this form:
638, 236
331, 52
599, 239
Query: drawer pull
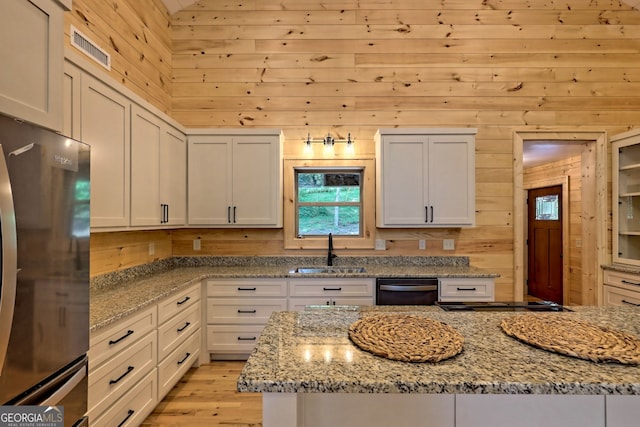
624, 301
331, 289
186, 356
112, 342
117, 380
129, 414
247, 311
247, 339
629, 282
466, 289
184, 327
246, 289
184, 300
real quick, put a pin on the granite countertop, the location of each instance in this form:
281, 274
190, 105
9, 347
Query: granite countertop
623, 268
310, 352
117, 295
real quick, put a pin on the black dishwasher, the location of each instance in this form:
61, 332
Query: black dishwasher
406, 291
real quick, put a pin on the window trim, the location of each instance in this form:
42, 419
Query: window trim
366, 241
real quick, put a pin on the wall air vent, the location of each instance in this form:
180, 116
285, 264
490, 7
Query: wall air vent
86, 45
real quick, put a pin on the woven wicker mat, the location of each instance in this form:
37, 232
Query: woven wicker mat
574, 338
407, 338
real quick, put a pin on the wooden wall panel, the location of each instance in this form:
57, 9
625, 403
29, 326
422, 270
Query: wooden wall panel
353, 66
339, 66
137, 35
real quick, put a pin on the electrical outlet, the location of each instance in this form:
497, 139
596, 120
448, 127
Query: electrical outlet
196, 244
448, 244
422, 244
152, 248
381, 245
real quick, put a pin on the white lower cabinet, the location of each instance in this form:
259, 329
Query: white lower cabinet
331, 292
136, 361
237, 310
475, 289
119, 358
621, 289
179, 336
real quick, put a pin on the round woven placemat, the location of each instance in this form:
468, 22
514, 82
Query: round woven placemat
407, 338
574, 338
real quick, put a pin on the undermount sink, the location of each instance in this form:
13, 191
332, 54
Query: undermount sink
327, 270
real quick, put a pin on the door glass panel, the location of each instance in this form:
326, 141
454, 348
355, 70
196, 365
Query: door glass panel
547, 208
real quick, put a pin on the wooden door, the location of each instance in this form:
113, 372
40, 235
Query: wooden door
545, 243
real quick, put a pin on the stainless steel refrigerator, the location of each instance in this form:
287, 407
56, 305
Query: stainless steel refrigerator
44, 258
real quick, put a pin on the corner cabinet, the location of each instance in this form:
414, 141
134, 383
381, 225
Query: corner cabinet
425, 177
625, 153
32, 55
158, 171
235, 179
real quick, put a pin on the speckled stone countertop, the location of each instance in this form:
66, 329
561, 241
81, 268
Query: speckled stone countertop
622, 268
117, 295
310, 352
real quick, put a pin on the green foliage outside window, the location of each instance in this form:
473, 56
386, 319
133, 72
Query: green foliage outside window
329, 202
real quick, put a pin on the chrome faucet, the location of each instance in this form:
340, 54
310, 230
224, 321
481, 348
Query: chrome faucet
331, 255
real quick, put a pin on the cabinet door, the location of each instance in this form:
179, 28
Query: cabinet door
32, 55
145, 167
256, 198
451, 180
209, 182
173, 175
71, 101
403, 192
105, 125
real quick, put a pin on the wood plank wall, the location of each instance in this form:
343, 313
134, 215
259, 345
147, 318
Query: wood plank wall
572, 168
137, 35
318, 66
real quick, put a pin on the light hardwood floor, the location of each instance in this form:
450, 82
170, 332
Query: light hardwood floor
207, 396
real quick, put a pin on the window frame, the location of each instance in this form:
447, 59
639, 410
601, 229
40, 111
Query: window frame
366, 240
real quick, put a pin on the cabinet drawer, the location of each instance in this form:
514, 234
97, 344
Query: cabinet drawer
614, 296
233, 339
176, 330
110, 381
619, 279
177, 303
247, 288
105, 344
299, 304
133, 407
463, 289
331, 287
243, 310
174, 366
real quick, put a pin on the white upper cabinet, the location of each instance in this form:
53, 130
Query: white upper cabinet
235, 179
425, 177
158, 171
625, 177
105, 124
31, 54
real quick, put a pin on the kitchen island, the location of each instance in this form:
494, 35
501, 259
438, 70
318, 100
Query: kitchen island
312, 375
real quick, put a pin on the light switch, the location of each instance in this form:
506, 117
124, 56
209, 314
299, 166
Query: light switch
196, 244
381, 245
152, 248
422, 244
448, 244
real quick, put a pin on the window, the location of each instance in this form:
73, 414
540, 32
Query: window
329, 196
328, 201
547, 208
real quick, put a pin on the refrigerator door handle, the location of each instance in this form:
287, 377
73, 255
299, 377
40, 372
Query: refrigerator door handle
9, 256
56, 390
65, 389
